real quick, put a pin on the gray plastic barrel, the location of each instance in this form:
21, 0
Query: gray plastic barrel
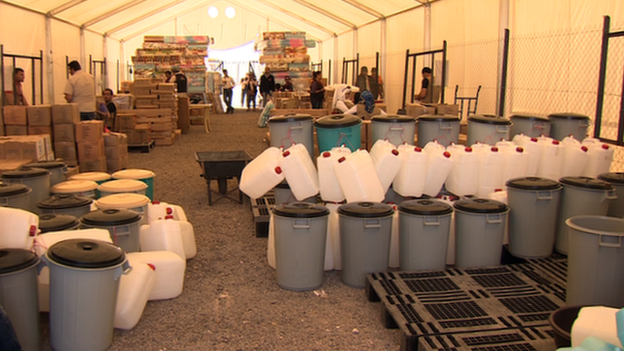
479, 230
67, 204
58, 170
365, 232
530, 125
424, 227
337, 130
565, 124
616, 207
19, 295
300, 238
533, 205
396, 129
283, 195
123, 226
292, 129
595, 261
55, 223
581, 196
15, 195
84, 280
487, 129
444, 129
37, 179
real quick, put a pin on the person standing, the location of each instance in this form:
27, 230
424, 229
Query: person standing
267, 85
180, 81
251, 90
317, 91
168, 76
18, 89
243, 85
108, 109
80, 88
378, 93
228, 84
288, 86
425, 93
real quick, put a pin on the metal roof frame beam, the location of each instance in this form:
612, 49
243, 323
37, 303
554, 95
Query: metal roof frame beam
64, 7
325, 13
364, 8
112, 12
145, 16
294, 15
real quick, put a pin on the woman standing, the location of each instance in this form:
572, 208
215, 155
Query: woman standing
317, 91
252, 90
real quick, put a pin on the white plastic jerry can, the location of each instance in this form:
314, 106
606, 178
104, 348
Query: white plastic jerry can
328, 182
490, 172
133, 294
17, 228
410, 180
575, 159
169, 269
440, 164
299, 171
387, 162
262, 173
188, 239
533, 149
358, 178
463, 179
515, 163
600, 157
163, 235
433, 145
551, 160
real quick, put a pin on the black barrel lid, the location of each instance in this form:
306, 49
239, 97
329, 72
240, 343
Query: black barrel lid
13, 260
425, 207
489, 119
12, 189
46, 164
63, 201
86, 253
613, 178
337, 121
530, 117
392, 119
533, 183
25, 172
568, 115
480, 206
294, 117
586, 182
110, 217
56, 222
301, 210
365, 209
438, 118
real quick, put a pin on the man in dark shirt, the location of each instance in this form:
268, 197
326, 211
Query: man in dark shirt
426, 88
267, 86
288, 86
109, 120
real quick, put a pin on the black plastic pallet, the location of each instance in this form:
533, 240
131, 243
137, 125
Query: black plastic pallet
143, 148
261, 210
456, 300
517, 339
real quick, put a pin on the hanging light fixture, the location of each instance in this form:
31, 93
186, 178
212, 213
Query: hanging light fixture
213, 12
230, 12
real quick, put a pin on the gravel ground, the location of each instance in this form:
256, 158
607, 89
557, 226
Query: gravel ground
231, 300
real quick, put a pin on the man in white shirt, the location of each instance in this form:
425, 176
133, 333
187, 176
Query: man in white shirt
228, 84
80, 88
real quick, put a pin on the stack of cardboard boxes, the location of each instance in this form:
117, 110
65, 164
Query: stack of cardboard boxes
64, 118
143, 125
15, 120
25, 147
39, 119
152, 93
91, 149
116, 151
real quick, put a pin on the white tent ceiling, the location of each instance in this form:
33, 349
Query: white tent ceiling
124, 19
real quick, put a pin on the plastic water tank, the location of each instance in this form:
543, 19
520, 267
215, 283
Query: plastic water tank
67, 204
86, 188
290, 129
15, 196
336, 130
57, 170
54, 223
444, 129
37, 179
529, 125
123, 226
122, 186
396, 129
487, 129
564, 124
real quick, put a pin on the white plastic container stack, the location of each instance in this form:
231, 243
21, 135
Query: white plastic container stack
160, 210
505, 146
434, 145
134, 290
590, 142
600, 157
169, 269
163, 235
533, 149
463, 179
261, 174
410, 180
575, 160
490, 172
515, 164
480, 148
188, 239
387, 162
44, 241
328, 182
17, 228
551, 161
299, 171
358, 179
440, 164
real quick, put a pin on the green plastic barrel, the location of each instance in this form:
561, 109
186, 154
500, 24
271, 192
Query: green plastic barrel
144, 175
336, 130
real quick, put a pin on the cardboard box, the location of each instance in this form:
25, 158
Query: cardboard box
66, 151
2, 156
115, 139
39, 115
12, 165
65, 114
64, 133
139, 137
415, 110
39, 130
16, 130
164, 141
116, 164
125, 123
33, 148
450, 110
115, 152
90, 131
93, 166
47, 143
161, 127
166, 87
15, 115
88, 151
12, 150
